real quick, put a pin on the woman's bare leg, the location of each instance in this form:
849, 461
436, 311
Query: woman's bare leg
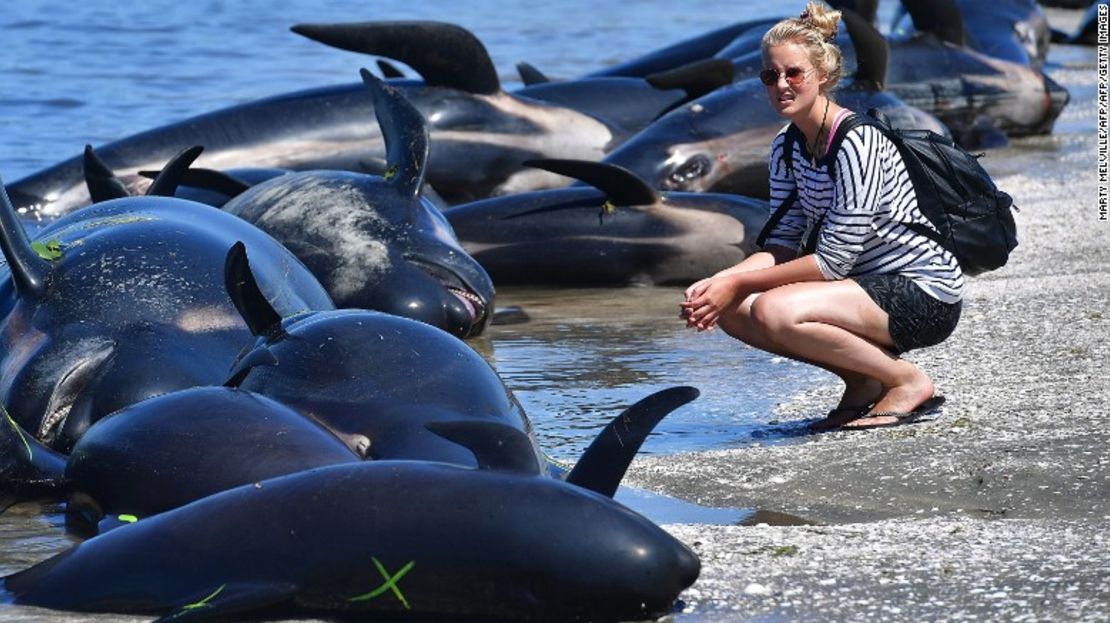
836, 326
860, 391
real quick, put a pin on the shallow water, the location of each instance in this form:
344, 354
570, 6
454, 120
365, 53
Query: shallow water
96, 71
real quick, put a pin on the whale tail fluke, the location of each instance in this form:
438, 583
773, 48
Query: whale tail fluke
605, 462
28, 469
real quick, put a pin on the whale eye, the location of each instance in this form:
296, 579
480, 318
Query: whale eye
692, 169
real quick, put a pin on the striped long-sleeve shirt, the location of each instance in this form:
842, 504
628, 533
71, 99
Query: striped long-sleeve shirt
866, 209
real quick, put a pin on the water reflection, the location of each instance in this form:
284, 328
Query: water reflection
586, 354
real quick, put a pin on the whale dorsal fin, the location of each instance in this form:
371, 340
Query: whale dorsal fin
29, 270
872, 50
495, 446
529, 75
696, 78
604, 463
256, 310
208, 179
867, 9
389, 70
405, 133
102, 183
621, 186
165, 185
941, 18
445, 55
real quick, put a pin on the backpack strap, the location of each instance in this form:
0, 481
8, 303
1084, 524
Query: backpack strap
848, 124
791, 137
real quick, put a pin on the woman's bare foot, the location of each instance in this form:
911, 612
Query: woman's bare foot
859, 392
903, 398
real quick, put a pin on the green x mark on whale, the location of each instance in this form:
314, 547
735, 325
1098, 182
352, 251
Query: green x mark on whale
390, 583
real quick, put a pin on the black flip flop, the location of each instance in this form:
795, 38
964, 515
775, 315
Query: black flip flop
857, 412
927, 408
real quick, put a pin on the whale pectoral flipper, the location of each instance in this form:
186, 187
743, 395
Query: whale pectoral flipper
226, 599
165, 185
208, 179
621, 186
495, 446
604, 463
696, 79
253, 359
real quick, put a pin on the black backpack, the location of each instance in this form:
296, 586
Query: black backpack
973, 219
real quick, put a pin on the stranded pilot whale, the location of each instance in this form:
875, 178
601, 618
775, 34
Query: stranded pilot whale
719, 142
479, 133
377, 243
620, 232
126, 300
169, 450
371, 536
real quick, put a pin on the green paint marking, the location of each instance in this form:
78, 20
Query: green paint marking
606, 208
390, 173
389, 585
49, 250
129, 519
204, 602
18, 431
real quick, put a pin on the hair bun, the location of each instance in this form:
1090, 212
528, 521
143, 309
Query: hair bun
821, 18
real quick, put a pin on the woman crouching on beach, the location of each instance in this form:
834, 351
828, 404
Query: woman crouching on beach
871, 289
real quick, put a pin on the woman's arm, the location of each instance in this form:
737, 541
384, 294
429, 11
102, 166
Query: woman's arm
770, 256
706, 299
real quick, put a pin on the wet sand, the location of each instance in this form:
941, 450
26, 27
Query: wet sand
999, 509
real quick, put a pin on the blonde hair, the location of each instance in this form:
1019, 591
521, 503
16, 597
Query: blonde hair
815, 29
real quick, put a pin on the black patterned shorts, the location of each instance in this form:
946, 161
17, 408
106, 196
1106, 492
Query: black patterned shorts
916, 319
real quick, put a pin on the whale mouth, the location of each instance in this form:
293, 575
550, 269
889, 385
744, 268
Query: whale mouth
471, 301
70, 388
477, 306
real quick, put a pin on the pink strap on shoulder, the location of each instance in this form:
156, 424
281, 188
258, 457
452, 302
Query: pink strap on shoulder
840, 116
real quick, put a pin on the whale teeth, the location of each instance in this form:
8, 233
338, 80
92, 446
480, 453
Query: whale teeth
471, 300
53, 422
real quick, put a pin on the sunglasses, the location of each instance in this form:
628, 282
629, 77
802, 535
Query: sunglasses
794, 76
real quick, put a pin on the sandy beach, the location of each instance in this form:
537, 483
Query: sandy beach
996, 510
